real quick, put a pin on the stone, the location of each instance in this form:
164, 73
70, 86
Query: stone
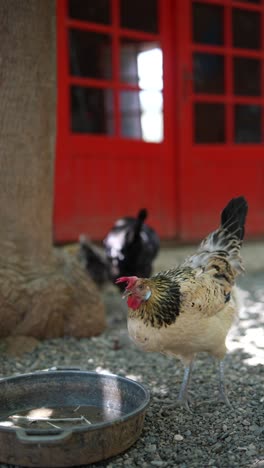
178, 437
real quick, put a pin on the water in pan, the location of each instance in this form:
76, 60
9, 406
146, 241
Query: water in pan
60, 417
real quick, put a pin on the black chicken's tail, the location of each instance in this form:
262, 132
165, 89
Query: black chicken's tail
227, 240
140, 219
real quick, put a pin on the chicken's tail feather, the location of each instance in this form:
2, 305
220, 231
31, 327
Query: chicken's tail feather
232, 229
233, 217
141, 217
227, 240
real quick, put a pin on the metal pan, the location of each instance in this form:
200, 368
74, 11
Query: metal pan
68, 417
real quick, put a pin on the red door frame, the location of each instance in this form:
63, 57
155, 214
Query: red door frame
68, 143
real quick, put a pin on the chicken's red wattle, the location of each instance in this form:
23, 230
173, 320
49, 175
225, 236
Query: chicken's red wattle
133, 302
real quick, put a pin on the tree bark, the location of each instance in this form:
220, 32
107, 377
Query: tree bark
42, 293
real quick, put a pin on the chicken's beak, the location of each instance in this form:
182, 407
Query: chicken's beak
126, 293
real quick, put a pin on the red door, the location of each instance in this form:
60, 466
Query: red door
115, 138
220, 67
160, 105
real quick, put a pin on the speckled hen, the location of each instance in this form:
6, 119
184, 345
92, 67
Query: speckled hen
190, 309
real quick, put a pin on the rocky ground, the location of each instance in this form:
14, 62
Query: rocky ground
213, 435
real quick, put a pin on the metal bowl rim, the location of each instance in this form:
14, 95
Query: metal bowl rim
91, 427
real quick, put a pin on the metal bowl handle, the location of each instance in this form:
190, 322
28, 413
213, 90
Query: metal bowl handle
61, 368
28, 438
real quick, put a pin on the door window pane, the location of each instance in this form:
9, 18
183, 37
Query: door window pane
246, 29
130, 115
141, 63
208, 24
151, 104
92, 110
208, 71
142, 111
209, 123
150, 69
139, 15
95, 11
90, 54
247, 76
247, 123
142, 115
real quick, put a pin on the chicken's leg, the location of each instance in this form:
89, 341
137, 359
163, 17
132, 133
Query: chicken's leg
183, 398
222, 389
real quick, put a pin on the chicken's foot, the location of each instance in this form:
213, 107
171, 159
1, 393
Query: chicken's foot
223, 398
184, 398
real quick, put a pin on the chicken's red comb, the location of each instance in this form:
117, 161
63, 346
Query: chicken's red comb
130, 280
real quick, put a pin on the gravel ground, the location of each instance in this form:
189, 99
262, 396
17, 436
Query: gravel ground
214, 435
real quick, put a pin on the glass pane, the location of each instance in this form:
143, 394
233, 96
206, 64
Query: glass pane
92, 110
208, 73
247, 123
90, 54
246, 29
247, 76
95, 11
142, 115
139, 15
141, 64
208, 24
209, 123
130, 114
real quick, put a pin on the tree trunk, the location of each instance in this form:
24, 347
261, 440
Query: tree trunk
42, 293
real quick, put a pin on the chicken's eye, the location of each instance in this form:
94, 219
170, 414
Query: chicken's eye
140, 286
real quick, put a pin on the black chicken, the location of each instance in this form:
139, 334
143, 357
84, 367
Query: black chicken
131, 246
129, 250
